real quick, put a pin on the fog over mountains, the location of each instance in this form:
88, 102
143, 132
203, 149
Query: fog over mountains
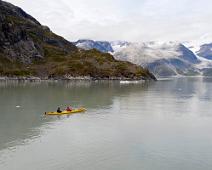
161, 58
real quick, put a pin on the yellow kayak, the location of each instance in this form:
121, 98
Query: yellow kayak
66, 112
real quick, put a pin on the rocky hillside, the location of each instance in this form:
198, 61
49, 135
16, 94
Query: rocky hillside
28, 48
23, 38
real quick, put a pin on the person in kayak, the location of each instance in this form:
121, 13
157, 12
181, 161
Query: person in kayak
69, 109
58, 110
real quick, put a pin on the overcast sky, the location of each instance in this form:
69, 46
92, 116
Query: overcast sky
131, 20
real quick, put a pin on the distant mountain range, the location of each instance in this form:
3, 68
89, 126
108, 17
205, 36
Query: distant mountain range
161, 58
102, 46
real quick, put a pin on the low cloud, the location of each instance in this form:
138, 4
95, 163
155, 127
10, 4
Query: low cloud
132, 20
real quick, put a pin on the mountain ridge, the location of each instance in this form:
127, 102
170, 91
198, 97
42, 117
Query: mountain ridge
161, 58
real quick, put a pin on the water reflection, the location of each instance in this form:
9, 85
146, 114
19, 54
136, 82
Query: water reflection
34, 98
127, 126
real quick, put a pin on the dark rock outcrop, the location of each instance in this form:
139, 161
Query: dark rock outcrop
206, 51
187, 54
23, 38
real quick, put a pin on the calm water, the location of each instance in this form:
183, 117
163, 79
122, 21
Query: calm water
164, 125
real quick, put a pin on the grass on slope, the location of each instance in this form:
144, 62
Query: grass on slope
11, 68
92, 62
82, 63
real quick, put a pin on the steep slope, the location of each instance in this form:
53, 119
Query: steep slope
205, 51
28, 48
202, 49
25, 39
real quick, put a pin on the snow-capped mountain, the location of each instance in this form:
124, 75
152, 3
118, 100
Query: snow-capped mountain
118, 45
203, 51
161, 58
102, 46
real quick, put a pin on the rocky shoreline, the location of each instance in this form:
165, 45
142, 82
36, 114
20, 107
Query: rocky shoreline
67, 77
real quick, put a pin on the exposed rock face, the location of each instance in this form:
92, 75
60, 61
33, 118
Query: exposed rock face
23, 38
187, 54
205, 51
